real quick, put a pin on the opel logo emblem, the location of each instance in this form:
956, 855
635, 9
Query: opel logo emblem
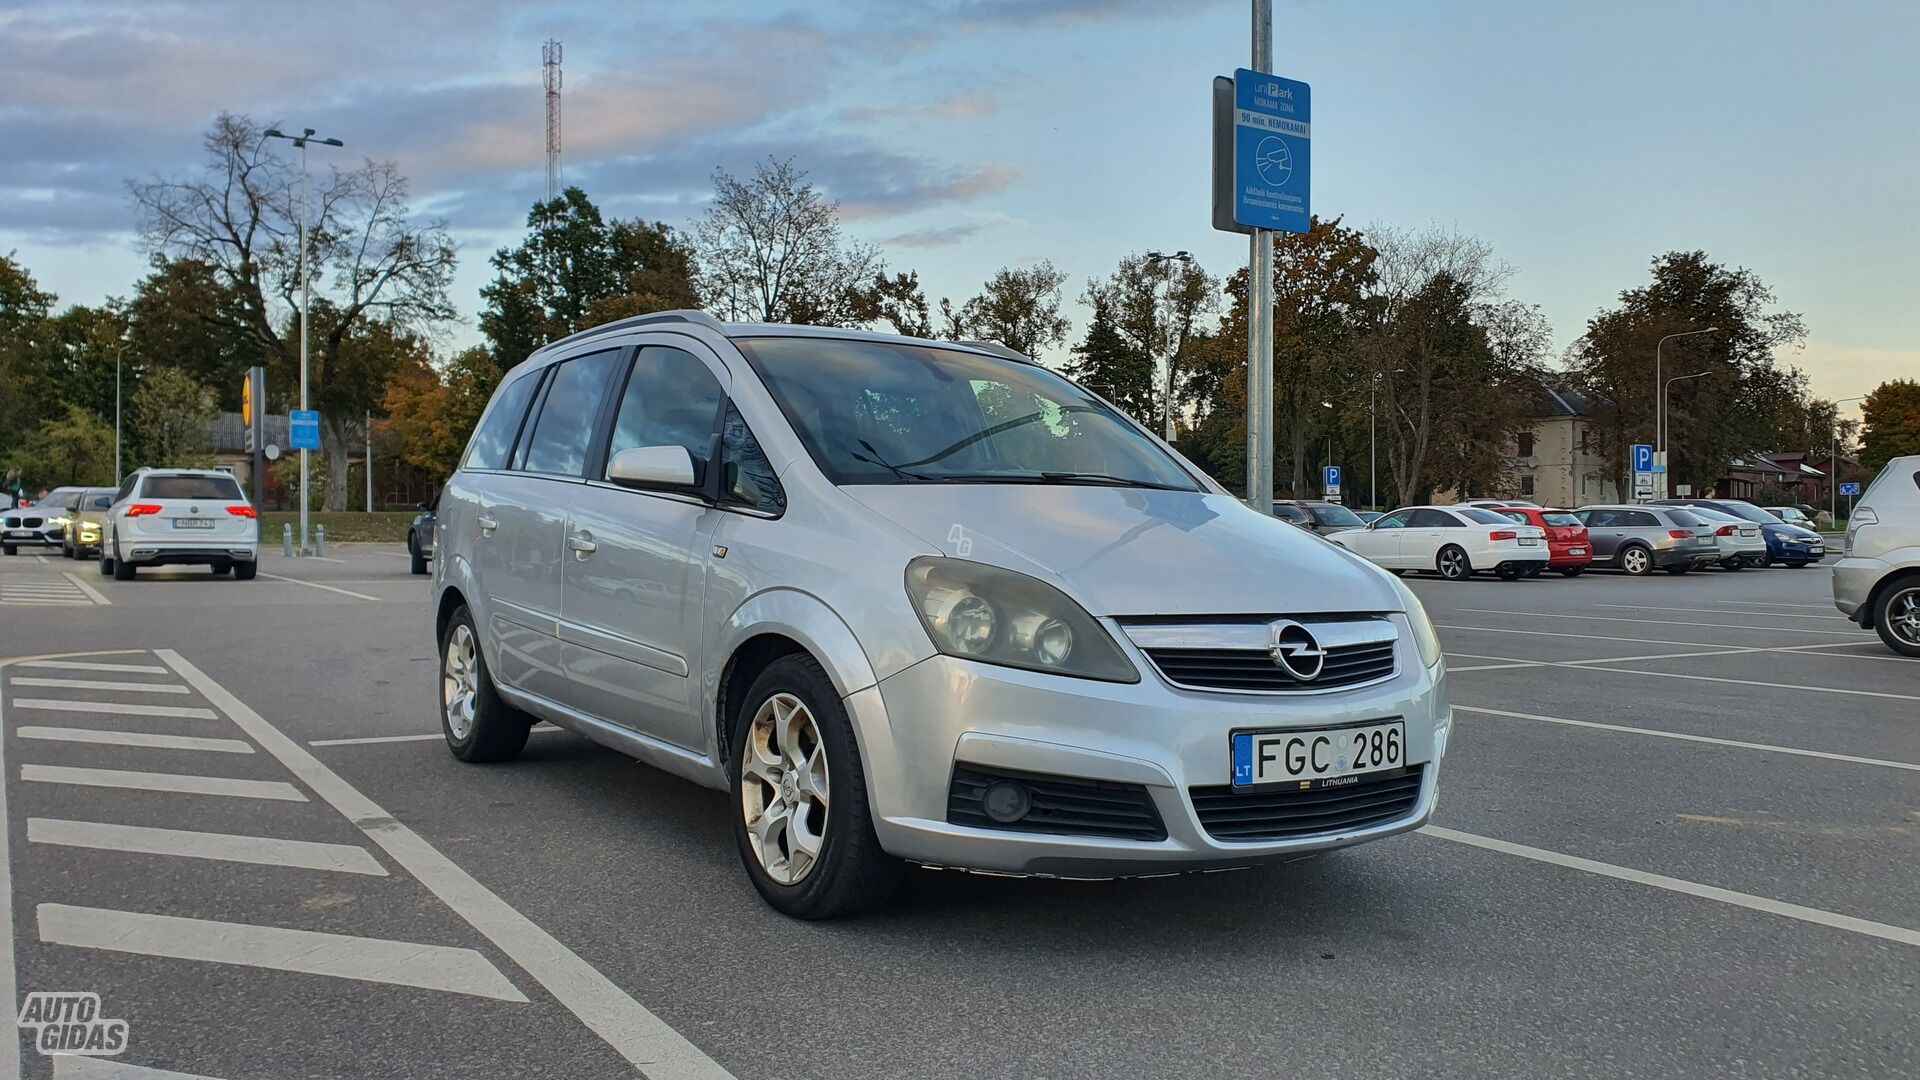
1296, 651
193, 509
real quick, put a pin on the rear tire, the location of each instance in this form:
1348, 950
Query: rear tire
1573, 571
221, 569
413, 552
1796, 566
792, 713
244, 571
1452, 563
1678, 571
1636, 560
1734, 564
106, 564
1509, 572
8, 548
479, 726
1534, 569
1896, 616
122, 569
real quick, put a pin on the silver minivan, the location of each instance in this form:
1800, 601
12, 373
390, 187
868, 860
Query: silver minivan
922, 602
1877, 583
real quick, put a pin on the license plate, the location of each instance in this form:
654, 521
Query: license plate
1316, 759
193, 523
1576, 551
1529, 541
21, 533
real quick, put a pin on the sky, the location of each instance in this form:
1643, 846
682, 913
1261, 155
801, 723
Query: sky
1579, 141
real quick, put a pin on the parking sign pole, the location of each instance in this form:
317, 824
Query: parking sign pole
1260, 316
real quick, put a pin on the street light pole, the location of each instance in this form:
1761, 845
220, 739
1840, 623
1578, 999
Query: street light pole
1155, 258
118, 355
1260, 316
301, 141
1660, 405
1833, 461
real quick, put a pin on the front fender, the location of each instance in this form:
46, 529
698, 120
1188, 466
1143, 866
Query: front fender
806, 619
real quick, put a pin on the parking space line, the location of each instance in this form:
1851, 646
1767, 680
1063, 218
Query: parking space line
101, 684
1884, 931
1850, 759
401, 963
222, 847
643, 1039
93, 594
1601, 665
1855, 634
181, 783
83, 665
134, 738
1874, 643
317, 585
1717, 611
1772, 603
75, 1067
117, 708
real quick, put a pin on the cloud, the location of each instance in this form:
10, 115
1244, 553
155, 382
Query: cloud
934, 236
960, 107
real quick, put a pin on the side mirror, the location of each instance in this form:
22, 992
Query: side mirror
656, 468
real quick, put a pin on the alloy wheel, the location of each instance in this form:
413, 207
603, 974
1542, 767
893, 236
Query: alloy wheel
1453, 563
460, 682
1903, 615
783, 789
1636, 561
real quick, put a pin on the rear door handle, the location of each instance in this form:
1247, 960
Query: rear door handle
486, 524
582, 543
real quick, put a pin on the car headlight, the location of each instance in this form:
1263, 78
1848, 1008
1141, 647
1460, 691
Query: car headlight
1423, 635
997, 616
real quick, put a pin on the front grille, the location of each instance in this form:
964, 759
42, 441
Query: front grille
25, 523
1061, 804
1254, 669
1281, 812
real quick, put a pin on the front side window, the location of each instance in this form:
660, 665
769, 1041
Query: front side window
1337, 517
494, 439
882, 412
1397, 520
671, 399
564, 427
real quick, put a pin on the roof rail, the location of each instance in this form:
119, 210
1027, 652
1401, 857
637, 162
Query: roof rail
998, 349
698, 318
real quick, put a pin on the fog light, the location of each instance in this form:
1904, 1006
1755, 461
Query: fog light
1006, 802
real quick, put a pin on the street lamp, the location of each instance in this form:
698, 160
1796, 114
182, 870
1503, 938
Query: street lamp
117, 354
1373, 439
1833, 461
1661, 435
1660, 406
1154, 258
301, 140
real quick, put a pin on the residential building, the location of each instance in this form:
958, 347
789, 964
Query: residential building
1558, 463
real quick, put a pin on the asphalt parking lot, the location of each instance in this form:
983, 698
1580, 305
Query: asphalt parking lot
1678, 835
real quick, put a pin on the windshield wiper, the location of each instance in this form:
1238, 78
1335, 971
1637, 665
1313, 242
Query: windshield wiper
1089, 479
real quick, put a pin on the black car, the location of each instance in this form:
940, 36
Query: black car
420, 538
1317, 516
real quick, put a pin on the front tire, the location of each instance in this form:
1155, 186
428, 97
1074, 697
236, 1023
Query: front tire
1678, 571
1509, 572
478, 725
1452, 563
1896, 616
244, 571
802, 820
1572, 571
122, 569
419, 561
1734, 564
9, 549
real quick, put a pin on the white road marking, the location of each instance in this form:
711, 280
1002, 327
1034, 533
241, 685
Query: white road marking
401, 963
153, 781
1772, 603
639, 1036
75, 1067
42, 559
1855, 634
225, 847
134, 738
1600, 665
433, 736
1683, 737
1717, 611
1875, 644
93, 594
1884, 931
83, 665
101, 684
317, 585
117, 708
10, 1051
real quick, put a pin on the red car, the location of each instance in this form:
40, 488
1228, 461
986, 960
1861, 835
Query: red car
1567, 548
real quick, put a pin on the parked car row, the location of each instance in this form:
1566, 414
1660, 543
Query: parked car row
1519, 539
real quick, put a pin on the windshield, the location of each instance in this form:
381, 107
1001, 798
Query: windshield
1330, 514
1483, 517
1746, 512
882, 412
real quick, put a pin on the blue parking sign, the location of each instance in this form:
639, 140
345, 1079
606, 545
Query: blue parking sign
1849, 489
303, 429
1642, 457
1271, 159
1333, 478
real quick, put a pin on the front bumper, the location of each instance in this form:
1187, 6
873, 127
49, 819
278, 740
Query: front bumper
44, 537
916, 725
1853, 582
1785, 552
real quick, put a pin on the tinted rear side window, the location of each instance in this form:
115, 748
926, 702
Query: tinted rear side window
565, 427
191, 487
1292, 514
1484, 517
494, 440
1685, 519
1559, 518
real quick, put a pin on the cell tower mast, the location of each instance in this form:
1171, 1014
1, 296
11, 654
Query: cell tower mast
550, 69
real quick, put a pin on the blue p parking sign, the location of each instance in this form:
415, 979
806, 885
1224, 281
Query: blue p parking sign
1849, 489
1271, 158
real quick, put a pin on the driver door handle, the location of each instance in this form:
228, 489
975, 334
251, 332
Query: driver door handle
486, 524
582, 542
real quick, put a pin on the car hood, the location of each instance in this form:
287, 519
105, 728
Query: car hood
1781, 528
1136, 551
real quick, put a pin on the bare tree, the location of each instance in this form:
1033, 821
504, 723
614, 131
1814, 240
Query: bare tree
770, 250
368, 261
